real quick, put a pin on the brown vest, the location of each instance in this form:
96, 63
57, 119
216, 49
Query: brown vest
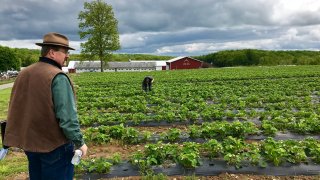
31, 123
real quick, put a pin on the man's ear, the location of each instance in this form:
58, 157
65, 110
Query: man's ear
50, 54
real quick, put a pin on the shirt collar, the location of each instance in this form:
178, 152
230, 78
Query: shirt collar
50, 61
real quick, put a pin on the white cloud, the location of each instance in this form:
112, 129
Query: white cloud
133, 40
201, 48
30, 44
296, 12
315, 34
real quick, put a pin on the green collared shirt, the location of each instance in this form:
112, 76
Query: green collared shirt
65, 109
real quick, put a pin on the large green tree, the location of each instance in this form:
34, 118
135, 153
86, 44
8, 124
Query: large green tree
8, 59
99, 27
27, 56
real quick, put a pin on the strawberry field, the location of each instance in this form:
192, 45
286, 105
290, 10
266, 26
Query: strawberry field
257, 120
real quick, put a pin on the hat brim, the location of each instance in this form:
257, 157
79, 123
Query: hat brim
54, 44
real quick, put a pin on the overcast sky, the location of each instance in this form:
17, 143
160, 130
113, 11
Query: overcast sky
173, 27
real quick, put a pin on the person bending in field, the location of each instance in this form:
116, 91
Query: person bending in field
147, 83
42, 115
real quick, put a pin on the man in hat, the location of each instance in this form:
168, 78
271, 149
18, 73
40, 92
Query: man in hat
42, 116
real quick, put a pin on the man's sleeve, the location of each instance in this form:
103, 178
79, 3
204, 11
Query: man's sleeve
65, 109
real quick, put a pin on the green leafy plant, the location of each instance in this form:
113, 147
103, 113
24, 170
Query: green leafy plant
172, 135
274, 151
268, 128
116, 158
131, 136
189, 157
213, 147
117, 131
99, 165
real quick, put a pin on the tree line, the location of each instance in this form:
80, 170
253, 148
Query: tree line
255, 57
14, 58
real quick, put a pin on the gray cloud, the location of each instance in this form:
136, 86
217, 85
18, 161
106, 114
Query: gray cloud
146, 15
29, 19
184, 27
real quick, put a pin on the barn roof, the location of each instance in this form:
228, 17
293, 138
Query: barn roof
85, 64
158, 63
132, 64
96, 64
181, 57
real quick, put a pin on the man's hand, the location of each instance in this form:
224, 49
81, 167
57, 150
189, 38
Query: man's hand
84, 150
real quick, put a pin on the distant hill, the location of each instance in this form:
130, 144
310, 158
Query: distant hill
254, 57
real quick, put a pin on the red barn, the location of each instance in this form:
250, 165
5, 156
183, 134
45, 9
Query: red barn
183, 63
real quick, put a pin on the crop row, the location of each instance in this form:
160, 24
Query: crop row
130, 135
235, 152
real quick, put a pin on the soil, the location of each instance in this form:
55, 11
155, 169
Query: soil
125, 151
224, 176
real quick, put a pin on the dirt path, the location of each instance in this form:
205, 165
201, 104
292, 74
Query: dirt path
5, 86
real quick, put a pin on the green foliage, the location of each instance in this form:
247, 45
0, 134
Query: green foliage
131, 136
99, 165
27, 56
253, 57
97, 135
213, 148
116, 159
155, 177
7, 81
268, 128
14, 58
172, 135
99, 26
138, 159
4, 102
189, 156
126, 57
8, 59
117, 131
13, 165
274, 151
155, 153
312, 149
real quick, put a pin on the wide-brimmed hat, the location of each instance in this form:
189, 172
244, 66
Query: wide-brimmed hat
55, 39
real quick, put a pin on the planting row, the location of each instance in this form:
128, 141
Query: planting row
129, 135
235, 152
196, 133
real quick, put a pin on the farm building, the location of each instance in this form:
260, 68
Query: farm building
83, 66
183, 63
133, 65
94, 66
159, 65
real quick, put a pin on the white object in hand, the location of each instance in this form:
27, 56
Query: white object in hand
77, 156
